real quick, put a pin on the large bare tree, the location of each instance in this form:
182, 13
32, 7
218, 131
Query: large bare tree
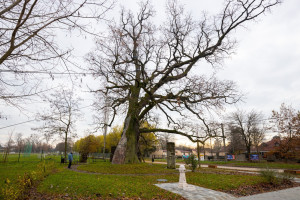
61, 117
147, 68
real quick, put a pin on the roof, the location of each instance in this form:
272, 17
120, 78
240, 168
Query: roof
270, 145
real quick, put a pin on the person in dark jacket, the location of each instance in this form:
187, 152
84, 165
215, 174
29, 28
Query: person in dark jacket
70, 158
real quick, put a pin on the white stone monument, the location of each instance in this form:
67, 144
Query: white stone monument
182, 180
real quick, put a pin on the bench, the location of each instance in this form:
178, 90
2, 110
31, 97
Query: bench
96, 158
290, 171
212, 166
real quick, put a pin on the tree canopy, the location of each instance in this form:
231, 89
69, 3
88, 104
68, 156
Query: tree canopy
146, 68
28, 40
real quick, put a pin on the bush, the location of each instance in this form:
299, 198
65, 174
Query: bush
192, 162
12, 191
18, 189
276, 178
269, 176
285, 177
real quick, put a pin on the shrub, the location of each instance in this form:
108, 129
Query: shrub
192, 162
269, 176
19, 189
285, 177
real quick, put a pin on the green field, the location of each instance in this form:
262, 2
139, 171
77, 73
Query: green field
102, 179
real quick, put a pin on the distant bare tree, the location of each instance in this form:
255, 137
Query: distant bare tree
8, 146
286, 120
61, 147
61, 117
217, 146
164, 138
19, 143
258, 137
248, 125
236, 143
36, 141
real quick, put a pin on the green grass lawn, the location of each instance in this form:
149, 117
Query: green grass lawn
108, 186
131, 184
114, 181
222, 182
142, 168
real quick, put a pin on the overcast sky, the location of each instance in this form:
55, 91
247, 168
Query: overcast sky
266, 65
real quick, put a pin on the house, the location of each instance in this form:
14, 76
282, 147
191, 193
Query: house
266, 147
160, 153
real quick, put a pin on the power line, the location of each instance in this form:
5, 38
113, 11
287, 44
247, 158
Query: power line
18, 124
34, 119
47, 72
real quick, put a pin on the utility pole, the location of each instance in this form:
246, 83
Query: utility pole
211, 153
222, 126
105, 125
198, 148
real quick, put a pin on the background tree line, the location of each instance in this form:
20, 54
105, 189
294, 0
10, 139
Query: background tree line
94, 144
247, 130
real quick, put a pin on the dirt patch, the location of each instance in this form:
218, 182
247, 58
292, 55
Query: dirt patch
261, 188
225, 171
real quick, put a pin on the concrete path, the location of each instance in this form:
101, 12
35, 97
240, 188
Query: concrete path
288, 194
200, 193
196, 192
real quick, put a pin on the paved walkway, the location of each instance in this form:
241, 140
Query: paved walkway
197, 193
288, 194
200, 193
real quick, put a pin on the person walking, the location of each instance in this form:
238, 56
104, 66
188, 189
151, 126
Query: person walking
70, 158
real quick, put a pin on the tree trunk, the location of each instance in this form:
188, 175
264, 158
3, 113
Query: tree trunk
66, 145
127, 148
6, 155
248, 152
19, 155
198, 154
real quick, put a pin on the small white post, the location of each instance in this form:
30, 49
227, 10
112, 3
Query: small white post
182, 180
